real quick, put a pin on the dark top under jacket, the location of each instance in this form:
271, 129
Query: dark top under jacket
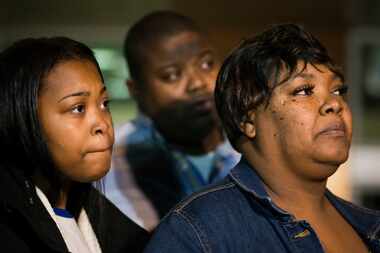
26, 226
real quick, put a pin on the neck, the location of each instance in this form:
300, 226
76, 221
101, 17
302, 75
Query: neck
299, 198
63, 195
297, 193
56, 190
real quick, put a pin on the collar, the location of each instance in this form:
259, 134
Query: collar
247, 178
145, 127
142, 120
365, 221
83, 224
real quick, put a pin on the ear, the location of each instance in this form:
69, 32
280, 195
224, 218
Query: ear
132, 87
248, 126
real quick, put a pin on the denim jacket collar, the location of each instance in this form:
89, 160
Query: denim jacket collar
247, 178
365, 221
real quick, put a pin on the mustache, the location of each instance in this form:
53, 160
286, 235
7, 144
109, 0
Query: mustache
194, 101
195, 107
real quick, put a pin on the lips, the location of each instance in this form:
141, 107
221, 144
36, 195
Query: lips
205, 104
100, 149
334, 129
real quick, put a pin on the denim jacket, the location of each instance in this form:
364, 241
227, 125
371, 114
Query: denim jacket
237, 215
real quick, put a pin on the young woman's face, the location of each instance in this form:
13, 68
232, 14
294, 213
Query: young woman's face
75, 119
307, 122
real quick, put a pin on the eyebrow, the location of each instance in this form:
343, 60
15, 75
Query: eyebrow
81, 93
173, 63
304, 75
309, 77
312, 76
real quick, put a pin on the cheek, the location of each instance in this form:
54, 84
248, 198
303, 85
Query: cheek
163, 93
64, 140
111, 133
294, 124
65, 133
66, 144
347, 117
210, 79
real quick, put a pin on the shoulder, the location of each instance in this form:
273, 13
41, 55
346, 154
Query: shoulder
219, 205
109, 213
188, 226
354, 208
134, 133
211, 220
123, 130
211, 195
114, 228
133, 137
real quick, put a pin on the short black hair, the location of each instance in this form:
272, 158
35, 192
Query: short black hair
23, 67
149, 30
252, 70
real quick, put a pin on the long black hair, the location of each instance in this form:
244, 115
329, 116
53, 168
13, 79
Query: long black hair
23, 67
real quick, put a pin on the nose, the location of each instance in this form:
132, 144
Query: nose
196, 82
101, 124
332, 105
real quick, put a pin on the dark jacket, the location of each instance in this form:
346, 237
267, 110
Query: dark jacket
238, 215
26, 226
161, 170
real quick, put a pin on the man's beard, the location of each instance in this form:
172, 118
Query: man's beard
187, 123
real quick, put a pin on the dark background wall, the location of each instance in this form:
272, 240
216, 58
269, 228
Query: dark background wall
226, 21
344, 27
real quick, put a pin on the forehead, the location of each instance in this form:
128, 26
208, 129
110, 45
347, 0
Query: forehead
180, 46
70, 74
309, 71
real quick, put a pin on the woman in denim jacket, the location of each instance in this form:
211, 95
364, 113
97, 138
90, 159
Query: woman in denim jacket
283, 104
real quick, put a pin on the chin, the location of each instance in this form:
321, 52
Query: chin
90, 178
99, 173
98, 176
95, 173
340, 156
333, 159
96, 167
334, 153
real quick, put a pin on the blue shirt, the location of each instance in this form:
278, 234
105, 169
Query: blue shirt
237, 215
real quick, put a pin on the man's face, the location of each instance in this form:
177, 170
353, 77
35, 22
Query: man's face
178, 83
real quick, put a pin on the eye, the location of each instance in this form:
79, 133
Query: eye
207, 64
341, 90
78, 109
305, 90
171, 75
105, 104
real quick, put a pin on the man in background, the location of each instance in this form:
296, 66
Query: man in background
176, 144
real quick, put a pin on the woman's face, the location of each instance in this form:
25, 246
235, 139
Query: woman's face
307, 122
75, 119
